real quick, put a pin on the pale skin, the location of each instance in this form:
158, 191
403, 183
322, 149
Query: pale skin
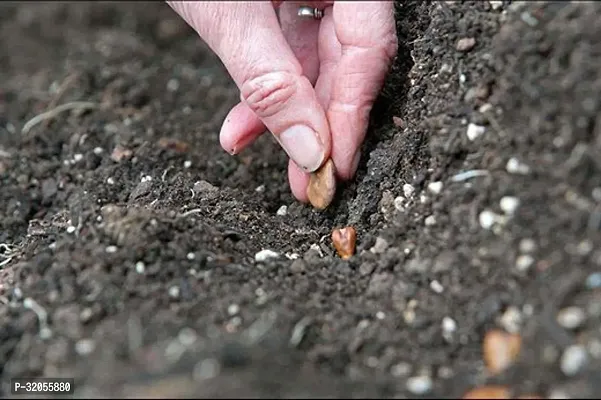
311, 83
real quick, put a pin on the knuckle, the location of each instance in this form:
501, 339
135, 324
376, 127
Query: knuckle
268, 94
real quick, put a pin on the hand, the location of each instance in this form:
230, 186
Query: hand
311, 83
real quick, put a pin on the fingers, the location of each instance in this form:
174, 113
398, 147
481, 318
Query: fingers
242, 127
248, 40
329, 54
367, 35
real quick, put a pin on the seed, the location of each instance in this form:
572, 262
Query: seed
500, 350
488, 392
322, 186
344, 241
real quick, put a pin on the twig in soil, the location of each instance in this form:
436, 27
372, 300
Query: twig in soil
42, 315
473, 173
299, 330
62, 89
75, 105
190, 212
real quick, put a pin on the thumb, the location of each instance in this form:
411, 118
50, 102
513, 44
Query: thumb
246, 36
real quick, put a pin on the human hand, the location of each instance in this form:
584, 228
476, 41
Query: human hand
311, 83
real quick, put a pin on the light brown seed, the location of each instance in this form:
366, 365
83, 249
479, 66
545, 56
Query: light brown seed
344, 240
488, 392
500, 350
322, 186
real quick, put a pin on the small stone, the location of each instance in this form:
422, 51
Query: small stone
527, 245
465, 44
84, 347
514, 166
401, 369
398, 122
573, 359
436, 286
509, 204
187, 164
190, 256
174, 292
487, 219
419, 384
496, 4
511, 320
71, 229
140, 267
265, 255
524, 262
233, 309
448, 325
435, 187
111, 249
399, 203
260, 189
500, 350
408, 190
593, 281
283, 210
474, 131
380, 246
571, 317
430, 220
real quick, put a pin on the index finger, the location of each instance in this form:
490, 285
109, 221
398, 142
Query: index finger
367, 35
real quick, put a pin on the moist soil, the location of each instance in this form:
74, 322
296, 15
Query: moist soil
128, 236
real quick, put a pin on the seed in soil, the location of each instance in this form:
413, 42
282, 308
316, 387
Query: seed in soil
322, 186
500, 350
344, 240
488, 392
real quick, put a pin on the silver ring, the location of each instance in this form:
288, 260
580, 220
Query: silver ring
310, 12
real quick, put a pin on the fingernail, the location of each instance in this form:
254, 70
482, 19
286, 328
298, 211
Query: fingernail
303, 146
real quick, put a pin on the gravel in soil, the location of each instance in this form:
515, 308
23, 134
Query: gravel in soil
142, 260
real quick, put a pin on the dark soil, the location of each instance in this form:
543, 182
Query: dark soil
151, 288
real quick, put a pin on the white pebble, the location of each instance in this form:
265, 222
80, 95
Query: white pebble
399, 203
571, 317
265, 254
509, 204
511, 320
496, 4
514, 166
573, 359
187, 164
110, 181
233, 309
474, 131
380, 315
84, 347
435, 187
527, 245
419, 384
71, 229
449, 325
436, 286
190, 256
111, 249
98, 150
524, 262
430, 220
283, 210
77, 157
140, 267
487, 219
408, 190
593, 281
260, 189
174, 292
172, 85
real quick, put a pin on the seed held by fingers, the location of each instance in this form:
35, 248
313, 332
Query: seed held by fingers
322, 186
344, 240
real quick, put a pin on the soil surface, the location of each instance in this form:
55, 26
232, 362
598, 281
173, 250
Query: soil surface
128, 236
